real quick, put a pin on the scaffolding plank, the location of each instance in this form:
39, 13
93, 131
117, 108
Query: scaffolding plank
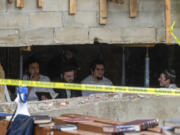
72, 7
167, 15
39, 3
19, 3
133, 8
102, 11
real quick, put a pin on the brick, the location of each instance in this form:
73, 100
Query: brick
122, 35
55, 5
81, 19
88, 5
8, 37
71, 36
37, 36
49, 19
13, 20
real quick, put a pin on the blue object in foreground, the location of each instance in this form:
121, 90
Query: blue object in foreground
22, 92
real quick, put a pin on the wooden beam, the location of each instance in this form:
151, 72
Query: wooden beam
167, 15
2, 88
19, 3
39, 3
133, 8
72, 7
26, 48
10, 1
102, 11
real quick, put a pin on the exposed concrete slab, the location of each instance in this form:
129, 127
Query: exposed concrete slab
13, 20
73, 35
37, 36
47, 19
9, 37
111, 106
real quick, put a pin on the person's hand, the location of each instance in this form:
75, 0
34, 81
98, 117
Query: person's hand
34, 77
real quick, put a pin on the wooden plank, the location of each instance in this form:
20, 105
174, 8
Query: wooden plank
133, 8
102, 120
167, 15
102, 11
72, 7
19, 3
2, 88
39, 3
25, 48
10, 1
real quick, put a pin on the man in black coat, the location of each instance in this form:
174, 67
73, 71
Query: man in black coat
68, 76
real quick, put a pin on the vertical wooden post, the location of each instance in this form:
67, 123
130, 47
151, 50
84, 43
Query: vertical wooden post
2, 88
167, 15
102, 11
39, 3
133, 8
72, 7
19, 3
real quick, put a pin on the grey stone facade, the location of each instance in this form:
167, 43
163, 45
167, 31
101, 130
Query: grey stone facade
52, 25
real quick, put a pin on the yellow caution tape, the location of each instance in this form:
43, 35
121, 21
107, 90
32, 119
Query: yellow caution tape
101, 88
172, 27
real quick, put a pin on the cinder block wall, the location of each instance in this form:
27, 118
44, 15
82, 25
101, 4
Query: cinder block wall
52, 24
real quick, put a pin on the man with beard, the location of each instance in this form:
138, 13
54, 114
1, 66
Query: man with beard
68, 76
96, 77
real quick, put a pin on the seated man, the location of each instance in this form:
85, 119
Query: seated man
167, 79
96, 77
68, 76
34, 75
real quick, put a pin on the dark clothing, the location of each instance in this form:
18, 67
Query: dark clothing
62, 93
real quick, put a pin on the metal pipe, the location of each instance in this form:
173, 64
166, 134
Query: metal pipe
21, 66
123, 82
147, 64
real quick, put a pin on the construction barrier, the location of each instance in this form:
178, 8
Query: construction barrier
89, 87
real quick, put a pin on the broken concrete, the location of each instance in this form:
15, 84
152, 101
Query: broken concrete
109, 106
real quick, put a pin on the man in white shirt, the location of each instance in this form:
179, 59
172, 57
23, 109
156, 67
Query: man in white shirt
34, 75
96, 77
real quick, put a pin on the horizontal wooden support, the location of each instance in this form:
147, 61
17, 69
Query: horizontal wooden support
25, 48
72, 7
102, 11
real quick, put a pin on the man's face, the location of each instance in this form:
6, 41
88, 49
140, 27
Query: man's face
163, 82
33, 69
98, 72
69, 76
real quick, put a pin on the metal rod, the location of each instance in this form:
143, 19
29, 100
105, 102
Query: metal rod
123, 82
147, 63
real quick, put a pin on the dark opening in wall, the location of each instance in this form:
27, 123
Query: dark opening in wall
161, 57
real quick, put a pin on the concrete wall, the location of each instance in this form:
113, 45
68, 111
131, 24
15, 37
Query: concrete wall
52, 24
109, 106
